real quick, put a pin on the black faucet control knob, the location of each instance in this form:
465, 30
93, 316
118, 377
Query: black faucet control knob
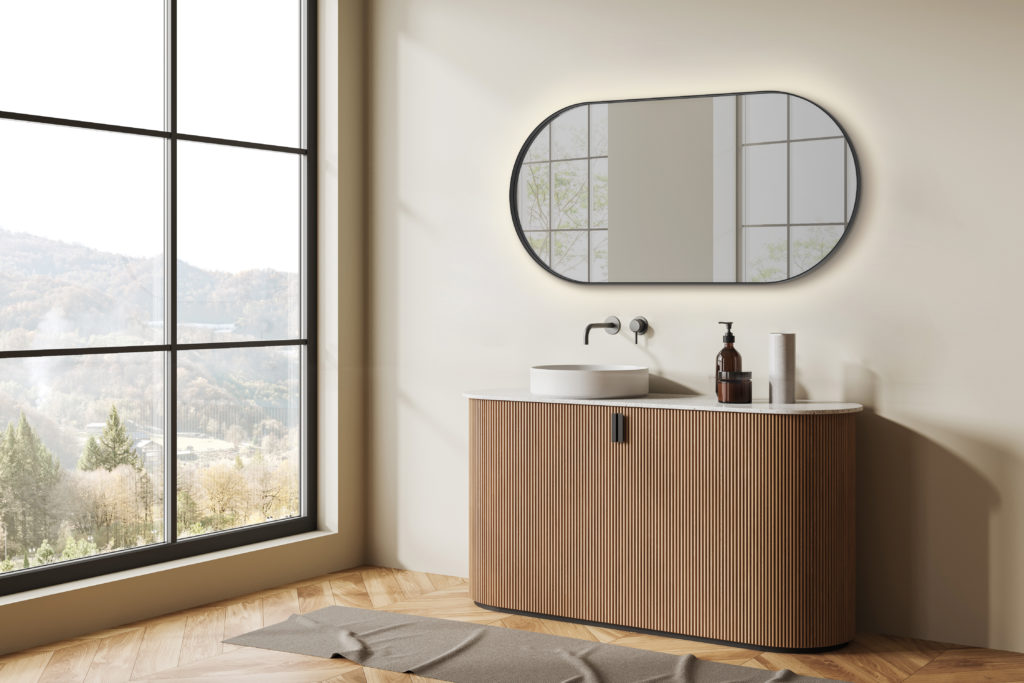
638, 326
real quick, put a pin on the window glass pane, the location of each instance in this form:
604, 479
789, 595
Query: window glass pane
539, 149
764, 184
599, 256
764, 117
239, 69
532, 196
569, 254
540, 243
238, 244
81, 456
569, 134
569, 195
81, 237
598, 130
764, 254
238, 437
817, 193
809, 244
599, 193
809, 120
101, 60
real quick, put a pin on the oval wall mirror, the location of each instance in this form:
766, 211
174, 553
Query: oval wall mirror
745, 187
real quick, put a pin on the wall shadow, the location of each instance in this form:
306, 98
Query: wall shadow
923, 537
664, 385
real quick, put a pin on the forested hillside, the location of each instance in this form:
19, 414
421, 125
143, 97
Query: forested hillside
237, 409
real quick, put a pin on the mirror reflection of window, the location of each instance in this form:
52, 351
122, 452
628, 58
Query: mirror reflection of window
797, 185
563, 194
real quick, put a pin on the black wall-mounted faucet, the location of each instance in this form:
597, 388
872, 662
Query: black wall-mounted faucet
611, 325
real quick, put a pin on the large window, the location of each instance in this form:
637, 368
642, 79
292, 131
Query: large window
157, 282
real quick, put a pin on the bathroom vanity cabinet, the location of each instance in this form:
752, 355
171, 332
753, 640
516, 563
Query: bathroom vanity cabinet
730, 523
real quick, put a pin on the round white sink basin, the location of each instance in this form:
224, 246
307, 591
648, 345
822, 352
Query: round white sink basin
589, 381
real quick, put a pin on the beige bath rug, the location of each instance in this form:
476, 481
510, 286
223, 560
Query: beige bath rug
472, 653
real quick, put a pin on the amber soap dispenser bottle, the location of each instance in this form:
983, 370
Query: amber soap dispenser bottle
728, 359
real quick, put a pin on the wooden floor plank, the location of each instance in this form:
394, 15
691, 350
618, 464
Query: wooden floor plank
382, 676
203, 633
356, 676
452, 603
441, 581
241, 617
865, 659
349, 590
413, 584
568, 629
280, 605
24, 668
382, 587
870, 657
70, 664
603, 634
161, 646
115, 657
904, 655
972, 664
314, 596
522, 623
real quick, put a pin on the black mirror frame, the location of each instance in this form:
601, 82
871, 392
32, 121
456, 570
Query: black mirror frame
536, 131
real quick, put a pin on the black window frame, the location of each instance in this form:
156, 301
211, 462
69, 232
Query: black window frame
172, 548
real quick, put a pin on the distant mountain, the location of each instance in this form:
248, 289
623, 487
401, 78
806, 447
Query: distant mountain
54, 294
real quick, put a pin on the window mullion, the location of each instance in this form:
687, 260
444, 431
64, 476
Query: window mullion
171, 272
308, 268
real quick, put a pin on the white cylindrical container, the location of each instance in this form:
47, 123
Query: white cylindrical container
782, 367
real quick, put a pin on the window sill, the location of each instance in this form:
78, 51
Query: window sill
54, 613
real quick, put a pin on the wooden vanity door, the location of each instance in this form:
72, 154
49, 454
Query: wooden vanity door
686, 527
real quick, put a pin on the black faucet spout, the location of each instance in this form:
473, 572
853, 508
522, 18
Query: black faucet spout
611, 325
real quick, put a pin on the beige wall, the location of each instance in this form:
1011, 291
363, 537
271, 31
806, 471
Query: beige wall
660, 190
916, 316
47, 615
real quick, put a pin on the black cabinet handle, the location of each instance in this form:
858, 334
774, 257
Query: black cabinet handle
618, 428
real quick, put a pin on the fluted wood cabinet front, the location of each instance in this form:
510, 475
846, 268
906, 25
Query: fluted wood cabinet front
728, 526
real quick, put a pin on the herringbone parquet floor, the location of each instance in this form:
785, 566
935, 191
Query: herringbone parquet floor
186, 646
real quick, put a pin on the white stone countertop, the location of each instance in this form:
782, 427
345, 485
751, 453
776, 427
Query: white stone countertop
677, 402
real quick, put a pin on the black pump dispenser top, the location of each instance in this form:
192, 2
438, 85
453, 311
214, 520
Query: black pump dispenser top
729, 337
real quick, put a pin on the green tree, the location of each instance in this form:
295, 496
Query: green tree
28, 475
113, 448
92, 456
120, 509
44, 555
189, 513
75, 548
